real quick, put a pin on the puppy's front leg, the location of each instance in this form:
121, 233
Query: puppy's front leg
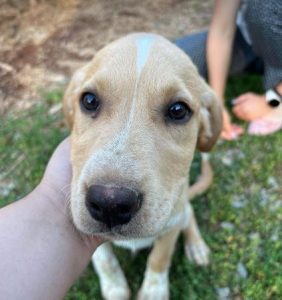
112, 280
155, 285
195, 247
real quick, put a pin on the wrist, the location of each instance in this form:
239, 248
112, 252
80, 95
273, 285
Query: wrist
57, 201
218, 92
55, 208
51, 249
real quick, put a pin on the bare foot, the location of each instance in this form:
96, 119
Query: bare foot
267, 124
250, 106
230, 131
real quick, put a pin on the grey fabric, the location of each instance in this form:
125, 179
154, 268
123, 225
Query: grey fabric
264, 21
264, 56
195, 46
242, 59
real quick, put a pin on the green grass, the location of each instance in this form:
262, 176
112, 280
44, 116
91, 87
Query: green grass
239, 217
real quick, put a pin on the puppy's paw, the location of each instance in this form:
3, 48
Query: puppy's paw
112, 280
154, 287
114, 285
111, 292
198, 252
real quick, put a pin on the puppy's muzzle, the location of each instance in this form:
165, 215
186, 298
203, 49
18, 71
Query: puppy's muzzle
113, 205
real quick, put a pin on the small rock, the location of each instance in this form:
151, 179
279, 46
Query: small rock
254, 236
241, 155
223, 293
6, 189
274, 206
7, 68
272, 182
227, 161
242, 271
227, 225
274, 237
55, 109
57, 78
237, 202
229, 156
264, 197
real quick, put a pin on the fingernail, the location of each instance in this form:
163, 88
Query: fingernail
233, 101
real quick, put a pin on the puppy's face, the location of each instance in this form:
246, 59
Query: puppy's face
137, 112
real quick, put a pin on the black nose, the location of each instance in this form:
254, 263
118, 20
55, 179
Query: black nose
112, 205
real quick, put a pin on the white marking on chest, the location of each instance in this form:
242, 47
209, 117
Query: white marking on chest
135, 244
180, 219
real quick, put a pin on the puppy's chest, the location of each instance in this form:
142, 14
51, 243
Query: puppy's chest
180, 219
135, 245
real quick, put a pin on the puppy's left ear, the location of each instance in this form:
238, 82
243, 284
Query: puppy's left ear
210, 117
71, 94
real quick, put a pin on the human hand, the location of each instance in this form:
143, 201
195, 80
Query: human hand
55, 188
250, 106
56, 181
230, 131
40, 226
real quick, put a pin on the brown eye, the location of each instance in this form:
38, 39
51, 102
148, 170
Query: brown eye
89, 102
179, 112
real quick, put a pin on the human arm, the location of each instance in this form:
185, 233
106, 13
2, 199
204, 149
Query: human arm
219, 50
41, 252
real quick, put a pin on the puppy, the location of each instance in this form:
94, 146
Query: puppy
137, 112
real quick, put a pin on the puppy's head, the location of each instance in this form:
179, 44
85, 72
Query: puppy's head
137, 112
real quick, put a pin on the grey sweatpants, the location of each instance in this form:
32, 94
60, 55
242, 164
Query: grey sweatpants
264, 56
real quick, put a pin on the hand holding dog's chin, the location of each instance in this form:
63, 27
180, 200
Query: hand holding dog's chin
230, 131
56, 182
53, 192
41, 227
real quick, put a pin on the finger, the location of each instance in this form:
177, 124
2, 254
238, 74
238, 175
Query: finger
233, 134
239, 112
239, 130
242, 98
226, 125
226, 135
241, 115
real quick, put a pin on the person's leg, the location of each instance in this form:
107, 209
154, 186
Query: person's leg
263, 19
194, 45
243, 57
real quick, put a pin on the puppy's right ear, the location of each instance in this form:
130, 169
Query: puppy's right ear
210, 118
71, 95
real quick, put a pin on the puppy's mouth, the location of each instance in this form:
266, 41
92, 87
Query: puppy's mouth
115, 234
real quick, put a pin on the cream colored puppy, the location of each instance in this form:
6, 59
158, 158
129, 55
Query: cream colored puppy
137, 112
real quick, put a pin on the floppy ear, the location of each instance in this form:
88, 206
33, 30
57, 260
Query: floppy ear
71, 94
210, 118
68, 105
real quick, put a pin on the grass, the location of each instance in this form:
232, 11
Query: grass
240, 216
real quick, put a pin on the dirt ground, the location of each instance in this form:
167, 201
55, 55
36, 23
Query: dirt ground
43, 41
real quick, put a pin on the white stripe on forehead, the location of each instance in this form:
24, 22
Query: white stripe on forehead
143, 45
